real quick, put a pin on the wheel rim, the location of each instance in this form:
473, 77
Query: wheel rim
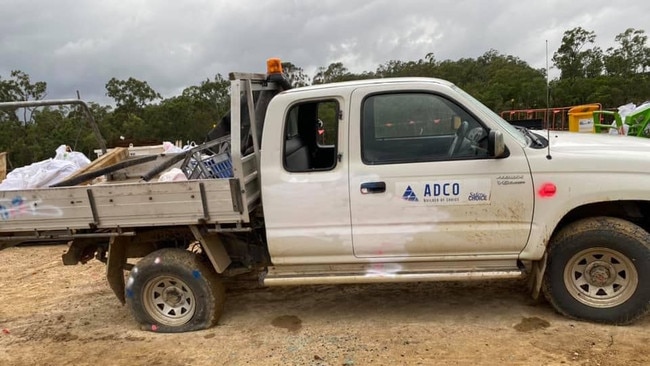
169, 300
601, 277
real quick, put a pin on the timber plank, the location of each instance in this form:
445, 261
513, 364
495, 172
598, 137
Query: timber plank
113, 156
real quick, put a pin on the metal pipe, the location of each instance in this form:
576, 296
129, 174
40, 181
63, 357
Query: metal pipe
42, 103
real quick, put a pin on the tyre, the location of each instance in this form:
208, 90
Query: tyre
599, 270
173, 290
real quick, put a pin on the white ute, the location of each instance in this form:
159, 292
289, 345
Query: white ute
388, 180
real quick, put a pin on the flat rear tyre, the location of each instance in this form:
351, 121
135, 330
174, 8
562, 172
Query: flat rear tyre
174, 290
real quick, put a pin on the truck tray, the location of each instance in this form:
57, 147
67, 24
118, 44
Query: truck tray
123, 205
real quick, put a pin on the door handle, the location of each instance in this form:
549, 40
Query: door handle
373, 187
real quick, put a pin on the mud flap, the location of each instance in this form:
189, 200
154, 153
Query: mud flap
537, 276
116, 264
214, 249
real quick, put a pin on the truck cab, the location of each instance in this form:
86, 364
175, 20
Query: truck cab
405, 171
415, 180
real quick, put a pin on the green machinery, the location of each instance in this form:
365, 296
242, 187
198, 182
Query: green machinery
636, 121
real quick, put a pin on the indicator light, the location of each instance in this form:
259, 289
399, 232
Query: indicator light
547, 190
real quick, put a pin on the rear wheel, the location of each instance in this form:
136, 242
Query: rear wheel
599, 270
173, 290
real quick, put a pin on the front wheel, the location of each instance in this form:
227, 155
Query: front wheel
173, 290
599, 270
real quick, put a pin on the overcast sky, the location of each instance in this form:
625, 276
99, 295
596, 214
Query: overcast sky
79, 45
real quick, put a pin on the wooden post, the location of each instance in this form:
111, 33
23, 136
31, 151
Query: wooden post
3, 165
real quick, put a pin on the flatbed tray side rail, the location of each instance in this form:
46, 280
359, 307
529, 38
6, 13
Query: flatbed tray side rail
124, 205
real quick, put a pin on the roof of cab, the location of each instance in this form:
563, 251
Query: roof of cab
368, 82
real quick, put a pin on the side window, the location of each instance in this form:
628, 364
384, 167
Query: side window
311, 131
417, 127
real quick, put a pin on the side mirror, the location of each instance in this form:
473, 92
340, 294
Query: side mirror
496, 146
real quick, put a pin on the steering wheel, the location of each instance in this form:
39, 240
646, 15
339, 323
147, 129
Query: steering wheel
478, 139
477, 135
458, 139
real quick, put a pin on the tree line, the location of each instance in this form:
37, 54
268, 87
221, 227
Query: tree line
588, 74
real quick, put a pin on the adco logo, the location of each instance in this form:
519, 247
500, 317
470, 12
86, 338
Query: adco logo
409, 195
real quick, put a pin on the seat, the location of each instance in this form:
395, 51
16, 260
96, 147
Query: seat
296, 155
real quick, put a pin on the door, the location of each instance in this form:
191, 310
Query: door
305, 182
423, 185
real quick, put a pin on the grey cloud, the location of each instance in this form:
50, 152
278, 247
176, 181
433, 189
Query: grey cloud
77, 45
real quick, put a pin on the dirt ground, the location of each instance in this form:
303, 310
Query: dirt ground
52, 314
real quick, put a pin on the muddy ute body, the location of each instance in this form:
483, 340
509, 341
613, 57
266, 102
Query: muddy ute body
389, 180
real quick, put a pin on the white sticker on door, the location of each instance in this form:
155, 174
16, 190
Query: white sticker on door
445, 192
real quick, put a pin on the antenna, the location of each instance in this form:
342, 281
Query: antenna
548, 107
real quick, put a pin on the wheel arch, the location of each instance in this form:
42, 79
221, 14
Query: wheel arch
635, 211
